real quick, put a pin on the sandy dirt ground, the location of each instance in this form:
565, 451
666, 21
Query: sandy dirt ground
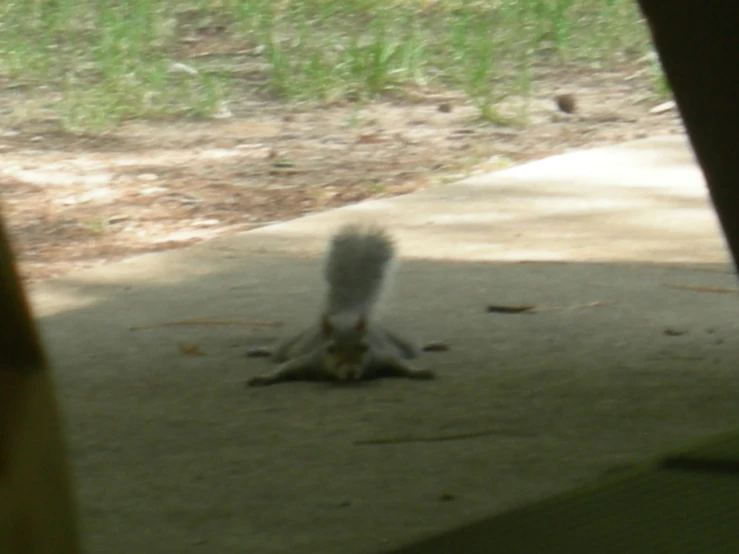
79, 201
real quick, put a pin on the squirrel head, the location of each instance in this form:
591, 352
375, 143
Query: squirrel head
346, 348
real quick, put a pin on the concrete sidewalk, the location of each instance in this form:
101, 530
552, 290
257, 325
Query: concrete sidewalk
631, 351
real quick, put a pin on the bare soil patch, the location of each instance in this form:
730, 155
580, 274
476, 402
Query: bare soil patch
77, 201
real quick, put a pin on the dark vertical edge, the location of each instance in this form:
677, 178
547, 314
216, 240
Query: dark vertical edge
20, 346
698, 45
37, 513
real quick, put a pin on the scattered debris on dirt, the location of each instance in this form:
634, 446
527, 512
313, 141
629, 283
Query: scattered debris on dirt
566, 103
79, 201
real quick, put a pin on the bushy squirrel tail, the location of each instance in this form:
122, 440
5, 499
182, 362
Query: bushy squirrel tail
356, 267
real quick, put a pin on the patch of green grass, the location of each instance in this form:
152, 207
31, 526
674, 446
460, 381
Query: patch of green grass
111, 60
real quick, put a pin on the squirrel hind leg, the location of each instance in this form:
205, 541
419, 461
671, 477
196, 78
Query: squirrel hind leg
406, 348
296, 344
303, 368
393, 366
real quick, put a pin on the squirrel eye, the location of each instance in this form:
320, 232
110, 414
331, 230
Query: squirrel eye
362, 347
331, 349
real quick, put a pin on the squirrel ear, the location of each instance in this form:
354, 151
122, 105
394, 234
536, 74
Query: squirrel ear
361, 324
326, 327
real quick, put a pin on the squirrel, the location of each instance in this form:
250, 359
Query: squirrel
347, 345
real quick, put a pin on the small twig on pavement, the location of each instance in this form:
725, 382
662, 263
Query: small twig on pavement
494, 308
597, 304
498, 309
206, 322
443, 438
701, 289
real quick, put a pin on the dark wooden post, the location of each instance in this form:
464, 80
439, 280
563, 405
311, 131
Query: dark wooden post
698, 44
37, 514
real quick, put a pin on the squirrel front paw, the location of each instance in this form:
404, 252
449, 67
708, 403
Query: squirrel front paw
259, 352
260, 381
422, 374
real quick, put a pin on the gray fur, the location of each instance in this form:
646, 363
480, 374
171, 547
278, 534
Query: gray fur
356, 266
346, 345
